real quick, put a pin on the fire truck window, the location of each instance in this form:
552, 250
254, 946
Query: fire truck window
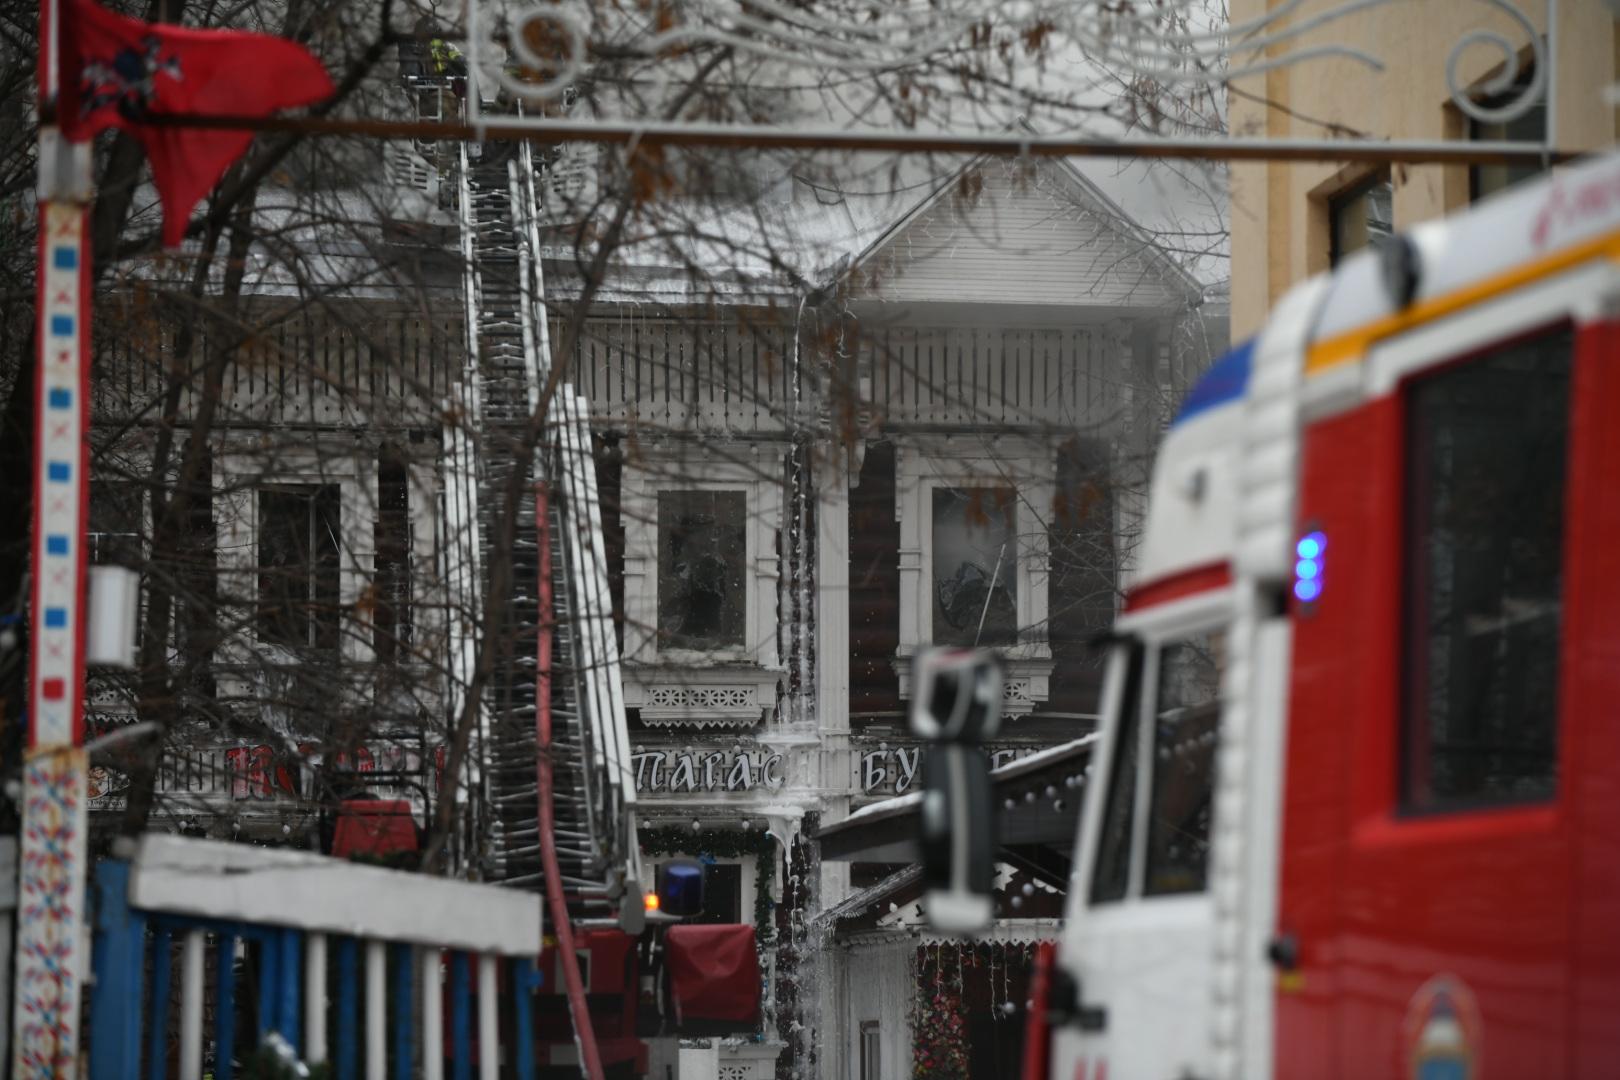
1486, 447
1186, 723
1111, 878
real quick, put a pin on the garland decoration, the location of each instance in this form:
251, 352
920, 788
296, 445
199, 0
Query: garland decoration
939, 1032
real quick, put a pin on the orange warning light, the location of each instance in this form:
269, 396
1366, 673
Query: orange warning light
651, 900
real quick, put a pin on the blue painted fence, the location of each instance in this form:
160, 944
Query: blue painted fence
353, 966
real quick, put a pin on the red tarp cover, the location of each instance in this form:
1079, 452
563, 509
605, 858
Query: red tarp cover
374, 827
713, 974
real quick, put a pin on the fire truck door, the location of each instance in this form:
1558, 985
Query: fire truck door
1140, 955
1434, 761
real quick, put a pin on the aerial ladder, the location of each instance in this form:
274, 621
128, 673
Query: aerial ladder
550, 793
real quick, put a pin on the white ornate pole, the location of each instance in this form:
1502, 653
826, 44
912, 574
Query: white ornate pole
50, 919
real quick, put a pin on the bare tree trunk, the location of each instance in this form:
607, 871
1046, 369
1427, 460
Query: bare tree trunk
156, 696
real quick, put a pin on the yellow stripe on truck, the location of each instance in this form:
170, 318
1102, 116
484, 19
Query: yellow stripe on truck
1352, 345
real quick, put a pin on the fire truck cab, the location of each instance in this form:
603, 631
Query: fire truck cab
1356, 806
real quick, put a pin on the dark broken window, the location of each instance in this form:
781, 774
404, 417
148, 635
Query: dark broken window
975, 567
702, 559
299, 566
392, 533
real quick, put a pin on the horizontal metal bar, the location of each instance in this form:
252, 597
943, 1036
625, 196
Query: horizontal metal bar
759, 136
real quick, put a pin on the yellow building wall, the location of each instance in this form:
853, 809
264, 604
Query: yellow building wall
1279, 215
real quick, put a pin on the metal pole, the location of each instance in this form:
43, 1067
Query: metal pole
759, 136
377, 1010
1550, 136
489, 1043
191, 1006
995, 576
50, 927
315, 998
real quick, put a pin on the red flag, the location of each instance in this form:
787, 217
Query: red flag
118, 71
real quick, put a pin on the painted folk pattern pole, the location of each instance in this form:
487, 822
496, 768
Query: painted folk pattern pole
50, 955
50, 928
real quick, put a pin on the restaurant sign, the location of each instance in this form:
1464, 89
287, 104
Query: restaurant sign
675, 772
895, 770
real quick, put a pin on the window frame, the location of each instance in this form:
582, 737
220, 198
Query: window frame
1339, 199
696, 470
1208, 613
1406, 735
733, 688
310, 494
870, 1034
1147, 774
239, 474
1473, 128
746, 618
1133, 678
1026, 467
1018, 574
747, 876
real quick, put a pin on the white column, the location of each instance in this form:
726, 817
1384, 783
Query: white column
314, 998
832, 599
191, 1006
376, 1010
833, 774
429, 960
835, 771
909, 510
489, 1049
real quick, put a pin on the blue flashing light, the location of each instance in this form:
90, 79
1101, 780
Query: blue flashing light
1311, 545
1311, 549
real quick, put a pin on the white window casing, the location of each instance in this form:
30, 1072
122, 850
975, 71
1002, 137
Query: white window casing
730, 687
1027, 467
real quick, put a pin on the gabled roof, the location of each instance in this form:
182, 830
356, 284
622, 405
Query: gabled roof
1084, 194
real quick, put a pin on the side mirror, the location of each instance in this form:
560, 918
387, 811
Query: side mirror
956, 695
680, 888
958, 839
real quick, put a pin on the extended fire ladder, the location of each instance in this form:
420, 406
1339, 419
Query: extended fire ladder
551, 746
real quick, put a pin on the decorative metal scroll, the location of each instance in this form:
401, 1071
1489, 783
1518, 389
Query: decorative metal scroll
880, 36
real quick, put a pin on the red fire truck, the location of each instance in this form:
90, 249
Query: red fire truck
1356, 807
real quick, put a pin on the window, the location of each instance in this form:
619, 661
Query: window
702, 546
1111, 878
1363, 216
975, 566
722, 893
1531, 126
196, 614
299, 566
871, 1051
113, 533
391, 615
702, 560
1180, 772
1186, 723
975, 555
1485, 464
